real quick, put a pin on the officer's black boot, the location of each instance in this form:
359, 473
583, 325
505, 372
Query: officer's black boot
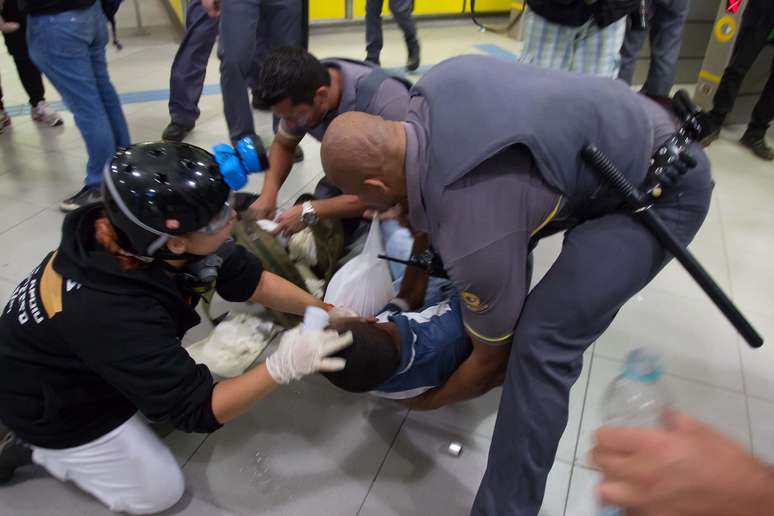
373, 59
13, 454
710, 128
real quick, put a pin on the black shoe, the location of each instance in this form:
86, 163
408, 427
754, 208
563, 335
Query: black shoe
758, 145
13, 454
373, 60
87, 195
259, 103
175, 132
298, 154
413, 58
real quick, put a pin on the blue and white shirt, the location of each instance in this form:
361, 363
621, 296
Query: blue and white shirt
433, 344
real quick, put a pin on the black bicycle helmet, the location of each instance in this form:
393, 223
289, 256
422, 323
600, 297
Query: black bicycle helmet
147, 185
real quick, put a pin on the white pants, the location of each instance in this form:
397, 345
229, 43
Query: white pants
129, 469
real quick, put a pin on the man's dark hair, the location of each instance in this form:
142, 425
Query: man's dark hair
371, 359
291, 73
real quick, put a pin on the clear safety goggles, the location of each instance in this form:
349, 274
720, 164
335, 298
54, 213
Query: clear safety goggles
220, 220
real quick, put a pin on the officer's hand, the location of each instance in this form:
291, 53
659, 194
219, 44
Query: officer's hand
289, 221
212, 7
264, 208
303, 353
688, 469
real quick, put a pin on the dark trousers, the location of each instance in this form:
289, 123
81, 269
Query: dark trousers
272, 24
16, 42
757, 25
604, 262
401, 11
190, 65
667, 19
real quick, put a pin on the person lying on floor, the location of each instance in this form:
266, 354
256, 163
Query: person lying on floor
402, 354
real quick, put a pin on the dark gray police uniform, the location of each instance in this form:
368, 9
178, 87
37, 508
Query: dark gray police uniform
493, 160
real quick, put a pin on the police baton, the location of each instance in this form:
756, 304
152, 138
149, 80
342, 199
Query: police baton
634, 199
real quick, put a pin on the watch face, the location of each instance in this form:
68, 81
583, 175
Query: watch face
309, 218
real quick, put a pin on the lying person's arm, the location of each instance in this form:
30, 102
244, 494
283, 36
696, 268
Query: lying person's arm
483, 370
339, 207
413, 287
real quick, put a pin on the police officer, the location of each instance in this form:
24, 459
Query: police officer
91, 338
307, 95
487, 162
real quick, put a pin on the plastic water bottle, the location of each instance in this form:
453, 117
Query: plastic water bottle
636, 398
315, 319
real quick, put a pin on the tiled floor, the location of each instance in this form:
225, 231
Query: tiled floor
310, 449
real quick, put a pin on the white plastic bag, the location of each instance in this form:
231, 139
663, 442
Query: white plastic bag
364, 283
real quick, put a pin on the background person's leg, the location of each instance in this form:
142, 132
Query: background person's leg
753, 36
603, 263
190, 65
16, 42
547, 44
238, 29
129, 469
762, 115
373, 32
598, 50
630, 50
666, 36
60, 45
110, 100
402, 12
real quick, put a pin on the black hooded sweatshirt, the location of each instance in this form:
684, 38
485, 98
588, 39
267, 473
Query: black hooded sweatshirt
85, 345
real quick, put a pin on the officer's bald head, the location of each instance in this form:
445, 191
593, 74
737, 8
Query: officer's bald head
364, 155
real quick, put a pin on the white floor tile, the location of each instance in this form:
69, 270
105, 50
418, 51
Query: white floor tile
762, 427
25, 246
581, 500
758, 364
693, 338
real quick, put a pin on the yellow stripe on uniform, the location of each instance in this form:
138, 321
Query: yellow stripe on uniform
704, 74
498, 340
51, 289
549, 218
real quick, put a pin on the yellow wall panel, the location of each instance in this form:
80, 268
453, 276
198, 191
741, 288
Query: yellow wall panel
177, 8
483, 6
326, 9
420, 7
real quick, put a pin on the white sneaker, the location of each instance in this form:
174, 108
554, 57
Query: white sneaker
43, 114
5, 120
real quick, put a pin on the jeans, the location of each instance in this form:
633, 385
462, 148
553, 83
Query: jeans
69, 48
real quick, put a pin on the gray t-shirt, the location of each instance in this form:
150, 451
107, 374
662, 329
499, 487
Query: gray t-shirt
389, 102
481, 225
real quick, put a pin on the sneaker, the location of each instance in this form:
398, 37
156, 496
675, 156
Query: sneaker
175, 132
259, 103
298, 154
13, 454
5, 120
373, 60
413, 58
758, 145
43, 114
87, 195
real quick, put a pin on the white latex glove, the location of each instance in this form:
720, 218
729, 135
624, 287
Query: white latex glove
338, 313
300, 354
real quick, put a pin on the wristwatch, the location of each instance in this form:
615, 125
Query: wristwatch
308, 215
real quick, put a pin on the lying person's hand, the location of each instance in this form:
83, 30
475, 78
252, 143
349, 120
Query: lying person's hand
302, 353
289, 221
689, 469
